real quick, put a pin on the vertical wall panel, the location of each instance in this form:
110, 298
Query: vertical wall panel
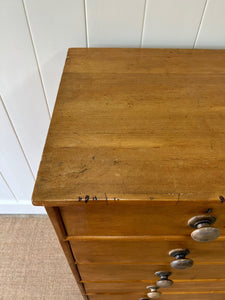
115, 23
212, 31
20, 83
13, 165
5, 193
172, 23
55, 25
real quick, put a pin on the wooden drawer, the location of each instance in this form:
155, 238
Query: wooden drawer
118, 297
137, 218
134, 150
194, 296
138, 251
117, 272
135, 287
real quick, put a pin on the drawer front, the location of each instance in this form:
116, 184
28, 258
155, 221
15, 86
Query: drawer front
191, 296
116, 272
118, 297
120, 251
139, 287
97, 218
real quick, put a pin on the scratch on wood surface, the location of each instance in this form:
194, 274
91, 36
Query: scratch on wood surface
178, 198
106, 198
83, 170
115, 162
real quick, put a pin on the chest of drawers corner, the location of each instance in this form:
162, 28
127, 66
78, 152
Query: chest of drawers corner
134, 151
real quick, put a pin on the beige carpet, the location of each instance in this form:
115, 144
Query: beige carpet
32, 264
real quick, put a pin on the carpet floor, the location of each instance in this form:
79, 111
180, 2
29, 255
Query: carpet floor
32, 263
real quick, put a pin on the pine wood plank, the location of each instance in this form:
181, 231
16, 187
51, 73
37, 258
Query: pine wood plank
137, 251
139, 287
132, 218
195, 296
139, 272
140, 122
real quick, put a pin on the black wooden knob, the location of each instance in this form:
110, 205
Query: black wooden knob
181, 262
154, 294
164, 282
204, 232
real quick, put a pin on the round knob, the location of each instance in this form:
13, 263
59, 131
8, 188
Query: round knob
153, 294
203, 232
181, 262
164, 282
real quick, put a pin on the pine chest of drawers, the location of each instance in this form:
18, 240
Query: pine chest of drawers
135, 149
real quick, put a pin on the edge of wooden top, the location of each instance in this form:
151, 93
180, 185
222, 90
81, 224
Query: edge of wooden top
93, 49
154, 199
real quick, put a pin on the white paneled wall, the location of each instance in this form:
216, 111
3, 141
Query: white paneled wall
20, 86
172, 24
13, 164
5, 192
212, 31
55, 26
35, 36
115, 23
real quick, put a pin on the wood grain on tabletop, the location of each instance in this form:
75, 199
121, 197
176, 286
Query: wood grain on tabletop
135, 123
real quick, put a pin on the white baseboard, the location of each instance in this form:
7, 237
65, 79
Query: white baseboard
20, 207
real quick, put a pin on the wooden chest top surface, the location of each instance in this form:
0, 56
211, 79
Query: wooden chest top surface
136, 124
